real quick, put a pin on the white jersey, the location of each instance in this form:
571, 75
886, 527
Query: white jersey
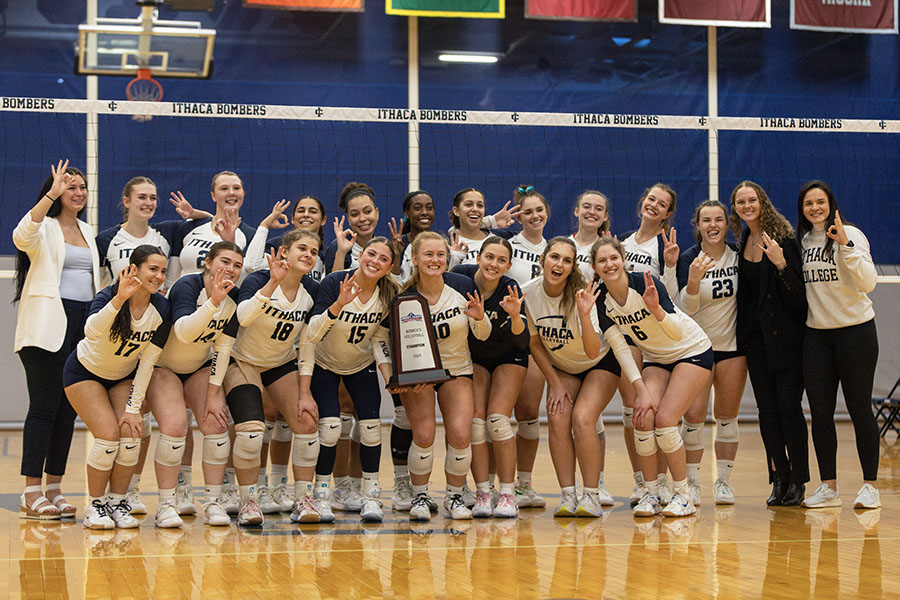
198, 326
583, 258
115, 360
560, 333
116, 245
526, 259
648, 257
270, 327
837, 282
471, 256
195, 238
714, 308
636, 321
345, 345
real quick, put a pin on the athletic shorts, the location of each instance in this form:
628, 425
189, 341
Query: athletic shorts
608, 363
437, 386
75, 372
519, 356
704, 359
185, 376
240, 372
720, 355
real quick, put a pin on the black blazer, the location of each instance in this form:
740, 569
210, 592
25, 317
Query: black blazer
780, 309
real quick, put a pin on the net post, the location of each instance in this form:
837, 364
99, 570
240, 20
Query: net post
92, 138
712, 110
413, 101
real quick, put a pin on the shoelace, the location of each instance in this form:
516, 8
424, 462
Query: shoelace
456, 501
420, 500
123, 506
102, 509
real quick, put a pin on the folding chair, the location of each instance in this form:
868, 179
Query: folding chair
888, 408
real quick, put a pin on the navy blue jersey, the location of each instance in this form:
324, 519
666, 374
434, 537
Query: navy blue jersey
502, 340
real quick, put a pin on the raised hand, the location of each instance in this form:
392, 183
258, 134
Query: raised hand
345, 238
670, 247
585, 300
475, 307
348, 291
227, 226
512, 302
651, 294
184, 208
220, 286
128, 283
837, 231
457, 245
505, 216
396, 238
278, 266
773, 250
699, 266
61, 179
277, 219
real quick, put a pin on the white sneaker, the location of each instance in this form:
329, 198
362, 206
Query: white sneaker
665, 493
604, 497
323, 502
868, 497
215, 515
637, 492
468, 496
648, 506
344, 497
724, 492
167, 516
97, 516
250, 514
506, 507
823, 497
567, 504
231, 498
526, 497
456, 507
282, 496
679, 506
304, 511
588, 506
482, 508
265, 501
420, 508
403, 494
133, 498
121, 515
184, 500
695, 487
371, 510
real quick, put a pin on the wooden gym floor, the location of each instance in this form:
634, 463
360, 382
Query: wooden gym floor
744, 551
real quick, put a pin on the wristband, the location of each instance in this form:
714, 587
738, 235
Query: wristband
51, 199
330, 316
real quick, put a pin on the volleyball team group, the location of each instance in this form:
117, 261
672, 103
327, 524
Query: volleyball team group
273, 340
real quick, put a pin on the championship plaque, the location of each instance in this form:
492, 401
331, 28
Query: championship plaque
414, 352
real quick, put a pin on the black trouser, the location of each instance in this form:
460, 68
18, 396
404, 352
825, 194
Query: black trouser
847, 356
48, 426
779, 394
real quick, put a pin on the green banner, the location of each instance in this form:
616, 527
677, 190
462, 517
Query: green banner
479, 9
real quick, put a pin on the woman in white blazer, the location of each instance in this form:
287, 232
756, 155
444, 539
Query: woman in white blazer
57, 275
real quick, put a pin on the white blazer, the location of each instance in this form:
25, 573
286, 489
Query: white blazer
41, 318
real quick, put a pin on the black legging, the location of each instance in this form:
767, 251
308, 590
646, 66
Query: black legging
47, 434
847, 356
779, 394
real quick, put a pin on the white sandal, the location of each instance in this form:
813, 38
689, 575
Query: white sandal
44, 513
66, 510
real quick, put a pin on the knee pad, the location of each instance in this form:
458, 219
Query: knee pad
103, 454
329, 431
354, 432
270, 431
479, 434
169, 450
370, 432
129, 451
499, 427
400, 418
245, 405
305, 452
148, 426
216, 448
346, 425
282, 432
457, 462
727, 431
628, 416
601, 430
529, 430
692, 434
421, 460
644, 442
248, 441
668, 439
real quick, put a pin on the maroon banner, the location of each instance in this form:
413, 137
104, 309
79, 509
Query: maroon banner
582, 10
731, 13
859, 16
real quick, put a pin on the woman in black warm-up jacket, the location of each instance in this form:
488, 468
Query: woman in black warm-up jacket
770, 326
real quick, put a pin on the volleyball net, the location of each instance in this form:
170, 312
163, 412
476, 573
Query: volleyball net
289, 151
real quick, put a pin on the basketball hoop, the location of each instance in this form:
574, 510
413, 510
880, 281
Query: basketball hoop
144, 88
